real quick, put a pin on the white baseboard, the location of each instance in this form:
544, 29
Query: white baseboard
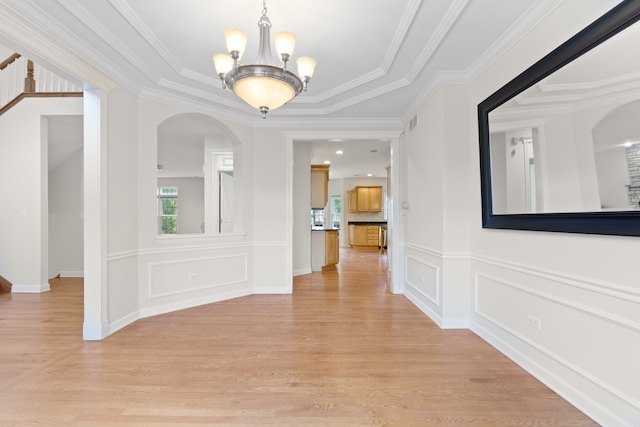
30, 289
181, 305
122, 322
302, 271
413, 297
268, 290
71, 274
606, 409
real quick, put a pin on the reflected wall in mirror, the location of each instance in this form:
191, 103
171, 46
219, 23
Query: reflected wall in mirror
559, 144
195, 183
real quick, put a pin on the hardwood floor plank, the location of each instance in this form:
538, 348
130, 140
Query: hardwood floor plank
340, 351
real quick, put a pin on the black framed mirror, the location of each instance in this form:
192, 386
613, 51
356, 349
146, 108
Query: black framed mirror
560, 143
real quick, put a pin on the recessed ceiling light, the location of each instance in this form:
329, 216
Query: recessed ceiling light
339, 152
369, 174
327, 162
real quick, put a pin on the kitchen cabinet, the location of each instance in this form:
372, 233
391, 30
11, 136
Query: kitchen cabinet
325, 249
319, 186
373, 235
331, 249
365, 199
353, 200
364, 235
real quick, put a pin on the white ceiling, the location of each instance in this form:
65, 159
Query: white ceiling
378, 60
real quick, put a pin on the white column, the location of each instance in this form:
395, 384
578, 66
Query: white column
96, 325
396, 220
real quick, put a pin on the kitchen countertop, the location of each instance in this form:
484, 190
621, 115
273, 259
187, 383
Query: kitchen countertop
367, 222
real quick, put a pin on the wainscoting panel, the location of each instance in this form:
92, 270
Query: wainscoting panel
579, 337
195, 274
424, 278
423, 281
122, 297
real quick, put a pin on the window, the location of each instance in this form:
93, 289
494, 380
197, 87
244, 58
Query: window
317, 218
336, 210
168, 210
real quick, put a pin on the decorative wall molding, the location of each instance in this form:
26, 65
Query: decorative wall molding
244, 274
118, 256
549, 353
564, 388
438, 254
609, 289
435, 299
602, 315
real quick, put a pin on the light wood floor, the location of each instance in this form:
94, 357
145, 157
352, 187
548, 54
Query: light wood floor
340, 351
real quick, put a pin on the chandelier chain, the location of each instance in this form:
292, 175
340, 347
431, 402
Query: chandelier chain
264, 7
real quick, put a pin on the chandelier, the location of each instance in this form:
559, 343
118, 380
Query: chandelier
263, 85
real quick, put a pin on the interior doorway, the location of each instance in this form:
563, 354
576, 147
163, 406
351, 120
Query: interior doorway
65, 165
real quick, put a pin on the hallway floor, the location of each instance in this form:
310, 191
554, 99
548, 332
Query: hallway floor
340, 351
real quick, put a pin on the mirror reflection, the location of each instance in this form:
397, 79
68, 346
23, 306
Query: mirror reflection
571, 142
195, 189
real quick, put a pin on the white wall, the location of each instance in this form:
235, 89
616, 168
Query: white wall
23, 167
66, 227
583, 288
122, 210
271, 164
301, 208
436, 228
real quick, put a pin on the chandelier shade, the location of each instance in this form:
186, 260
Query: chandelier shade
263, 85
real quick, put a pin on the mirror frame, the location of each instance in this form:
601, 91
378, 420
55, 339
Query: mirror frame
619, 223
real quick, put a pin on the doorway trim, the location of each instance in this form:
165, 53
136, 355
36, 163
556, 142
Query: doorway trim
397, 182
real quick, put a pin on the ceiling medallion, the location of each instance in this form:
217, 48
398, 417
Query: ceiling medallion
263, 85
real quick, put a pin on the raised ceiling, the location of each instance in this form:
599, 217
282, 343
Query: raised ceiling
378, 60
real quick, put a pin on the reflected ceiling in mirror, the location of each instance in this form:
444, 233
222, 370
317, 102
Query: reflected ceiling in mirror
559, 143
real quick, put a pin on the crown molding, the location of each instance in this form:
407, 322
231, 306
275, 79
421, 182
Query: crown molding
530, 19
75, 8
138, 24
452, 15
43, 46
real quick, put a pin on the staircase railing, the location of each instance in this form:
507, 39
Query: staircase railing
21, 78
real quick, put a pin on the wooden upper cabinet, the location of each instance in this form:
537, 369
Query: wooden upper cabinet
365, 199
375, 199
319, 186
353, 200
